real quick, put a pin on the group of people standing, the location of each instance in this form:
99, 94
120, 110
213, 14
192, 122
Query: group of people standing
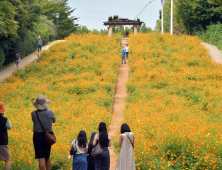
42, 121
18, 56
125, 53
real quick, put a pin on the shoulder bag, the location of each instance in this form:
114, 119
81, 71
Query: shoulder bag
130, 140
50, 137
97, 150
73, 150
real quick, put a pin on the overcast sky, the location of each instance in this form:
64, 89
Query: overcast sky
92, 13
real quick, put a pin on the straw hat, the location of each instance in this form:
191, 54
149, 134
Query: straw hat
41, 102
2, 109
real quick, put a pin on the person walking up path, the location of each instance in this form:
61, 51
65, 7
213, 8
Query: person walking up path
119, 107
17, 59
24, 62
127, 51
39, 44
123, 56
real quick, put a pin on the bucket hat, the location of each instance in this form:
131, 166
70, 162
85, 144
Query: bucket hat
41, 102
2, 109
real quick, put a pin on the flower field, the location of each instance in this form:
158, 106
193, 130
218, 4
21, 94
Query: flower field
78, 76
174, 104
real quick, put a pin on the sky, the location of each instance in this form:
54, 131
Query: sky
92, 13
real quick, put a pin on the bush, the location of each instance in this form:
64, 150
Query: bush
213, 35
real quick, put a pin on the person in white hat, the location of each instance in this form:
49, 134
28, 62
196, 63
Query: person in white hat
4, 126
41, 146
39, 44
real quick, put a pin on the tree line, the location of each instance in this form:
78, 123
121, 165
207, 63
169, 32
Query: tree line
190, 16
22, 21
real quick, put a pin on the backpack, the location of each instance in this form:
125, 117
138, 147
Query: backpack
17, 57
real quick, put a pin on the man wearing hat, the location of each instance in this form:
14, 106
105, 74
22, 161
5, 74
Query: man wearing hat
4, 126
39, 44
41, 146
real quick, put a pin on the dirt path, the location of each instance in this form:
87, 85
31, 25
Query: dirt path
119, 106
214, 52
25, 61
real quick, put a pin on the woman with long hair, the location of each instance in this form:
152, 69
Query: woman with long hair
126, 142
90, 159
102, 162
79, 159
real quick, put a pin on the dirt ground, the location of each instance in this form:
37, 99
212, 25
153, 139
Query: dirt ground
119, 107
214, 53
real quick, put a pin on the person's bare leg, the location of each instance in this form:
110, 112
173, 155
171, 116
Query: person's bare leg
7, 164
42, 164
48, 164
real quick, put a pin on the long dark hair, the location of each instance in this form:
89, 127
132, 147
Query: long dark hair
82, 139
90, 146
125, 128
102, 128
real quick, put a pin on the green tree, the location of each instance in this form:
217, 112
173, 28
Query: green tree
83, 30
198, 14
104, 31
8, 25
166, 17
66, 21
145, 29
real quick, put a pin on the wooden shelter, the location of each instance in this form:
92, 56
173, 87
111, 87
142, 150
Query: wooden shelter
122, 21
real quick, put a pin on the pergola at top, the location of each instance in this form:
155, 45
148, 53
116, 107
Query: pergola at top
122, 21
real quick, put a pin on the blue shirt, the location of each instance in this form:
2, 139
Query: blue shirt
17, 57
123, 53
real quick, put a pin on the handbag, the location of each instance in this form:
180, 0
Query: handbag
130, 140
97, 150
73, 150
50, 137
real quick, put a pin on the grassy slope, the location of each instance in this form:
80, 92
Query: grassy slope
174, 107
78, 76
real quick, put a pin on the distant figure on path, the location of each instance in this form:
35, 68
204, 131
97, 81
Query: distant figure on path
126, 142
90, 159
39, 44
79, 159
4, 126
123, 56
41, 146
102, 162
17, 59
127, 51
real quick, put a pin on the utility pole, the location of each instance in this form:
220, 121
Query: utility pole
162, 17
171, 24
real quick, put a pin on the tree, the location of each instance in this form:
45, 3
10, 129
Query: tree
145, 29
8, 26
66, 21
83, 30
166, 17
198, 14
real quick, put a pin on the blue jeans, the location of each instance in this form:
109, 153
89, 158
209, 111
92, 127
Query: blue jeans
39, 48
79, 162
102, 162
124, 58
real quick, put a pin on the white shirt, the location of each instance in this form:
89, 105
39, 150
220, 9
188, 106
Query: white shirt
127, 49
80, 150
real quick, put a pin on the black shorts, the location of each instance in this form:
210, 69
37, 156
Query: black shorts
41, 146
